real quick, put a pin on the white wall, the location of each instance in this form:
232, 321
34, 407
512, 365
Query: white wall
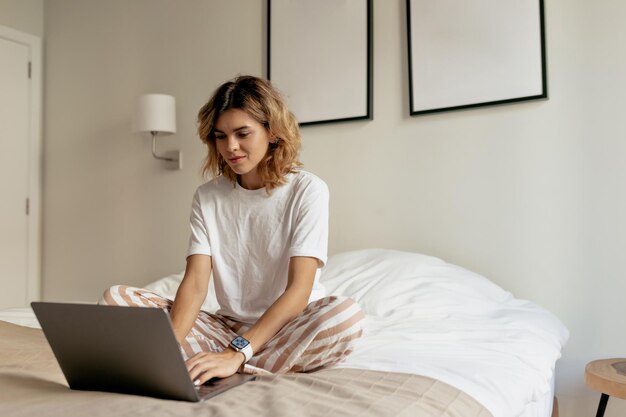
23, 15
530, 195
114, 214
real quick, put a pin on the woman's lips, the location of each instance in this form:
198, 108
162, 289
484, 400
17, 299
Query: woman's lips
236, 159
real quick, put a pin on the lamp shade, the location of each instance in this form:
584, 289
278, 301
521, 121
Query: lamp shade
155, 113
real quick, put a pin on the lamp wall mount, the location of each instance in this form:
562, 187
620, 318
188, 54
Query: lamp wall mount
174, 159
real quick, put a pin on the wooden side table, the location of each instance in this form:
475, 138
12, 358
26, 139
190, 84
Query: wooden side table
607, 376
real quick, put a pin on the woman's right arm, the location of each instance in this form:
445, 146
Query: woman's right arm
190, 295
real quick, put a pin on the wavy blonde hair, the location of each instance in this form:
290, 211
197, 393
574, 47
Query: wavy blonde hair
264, 103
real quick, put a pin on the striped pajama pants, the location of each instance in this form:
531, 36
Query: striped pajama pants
319, 337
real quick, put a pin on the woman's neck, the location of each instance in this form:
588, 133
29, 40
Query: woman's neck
250, 181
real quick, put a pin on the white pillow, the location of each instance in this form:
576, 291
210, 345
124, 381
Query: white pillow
384, 282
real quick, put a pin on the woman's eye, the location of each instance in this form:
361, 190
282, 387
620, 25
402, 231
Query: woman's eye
243, 134
219, 137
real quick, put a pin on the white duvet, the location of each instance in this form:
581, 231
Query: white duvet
428, 317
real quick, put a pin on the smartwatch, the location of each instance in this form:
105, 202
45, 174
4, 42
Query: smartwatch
241, 344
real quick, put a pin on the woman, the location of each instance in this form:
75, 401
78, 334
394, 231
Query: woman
260, 227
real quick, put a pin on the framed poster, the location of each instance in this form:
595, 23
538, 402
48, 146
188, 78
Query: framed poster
465, 54
320, 58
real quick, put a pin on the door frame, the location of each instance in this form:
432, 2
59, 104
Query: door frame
33, 268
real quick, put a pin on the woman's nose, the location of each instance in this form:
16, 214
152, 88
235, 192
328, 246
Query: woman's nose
233, 144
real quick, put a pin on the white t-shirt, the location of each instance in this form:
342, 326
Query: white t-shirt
251, 235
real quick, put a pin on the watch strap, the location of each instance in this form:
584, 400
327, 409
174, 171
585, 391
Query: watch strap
247, 352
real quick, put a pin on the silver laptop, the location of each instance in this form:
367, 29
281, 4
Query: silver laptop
130, 350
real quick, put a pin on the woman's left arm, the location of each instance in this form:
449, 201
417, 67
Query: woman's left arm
292, 302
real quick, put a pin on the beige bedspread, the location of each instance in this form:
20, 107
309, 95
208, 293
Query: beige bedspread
32, 385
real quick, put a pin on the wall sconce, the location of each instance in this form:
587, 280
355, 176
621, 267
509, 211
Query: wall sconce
156, 113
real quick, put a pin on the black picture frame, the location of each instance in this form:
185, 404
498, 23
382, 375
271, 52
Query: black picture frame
320, 56
485, 54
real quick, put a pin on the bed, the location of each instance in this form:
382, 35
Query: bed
439, 341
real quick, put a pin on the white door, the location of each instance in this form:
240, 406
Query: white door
14, 170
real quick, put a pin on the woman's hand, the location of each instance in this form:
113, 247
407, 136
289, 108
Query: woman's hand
206, 365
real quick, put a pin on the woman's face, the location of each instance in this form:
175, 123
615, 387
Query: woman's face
243, 143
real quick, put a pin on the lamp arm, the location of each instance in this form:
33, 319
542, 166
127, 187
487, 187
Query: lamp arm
164, 158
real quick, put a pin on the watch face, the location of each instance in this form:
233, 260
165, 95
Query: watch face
240, 342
